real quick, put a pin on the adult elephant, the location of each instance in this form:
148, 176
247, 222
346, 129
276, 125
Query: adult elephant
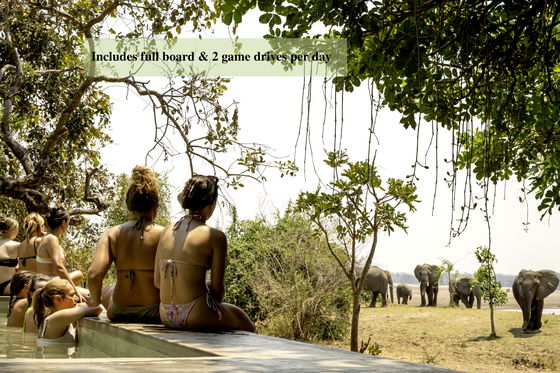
428, 276
404, 292
529, 289
466, 293
378, 281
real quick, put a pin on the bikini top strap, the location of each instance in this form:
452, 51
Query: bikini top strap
43, 328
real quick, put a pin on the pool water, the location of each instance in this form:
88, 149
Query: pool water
15, 344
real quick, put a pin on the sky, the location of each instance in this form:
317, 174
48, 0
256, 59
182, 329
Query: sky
270, 113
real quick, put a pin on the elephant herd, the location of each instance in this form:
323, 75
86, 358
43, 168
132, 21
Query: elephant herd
529, 290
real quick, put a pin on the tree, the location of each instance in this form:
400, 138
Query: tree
448, 268
354, 210
490, 287
450, 62
55, 115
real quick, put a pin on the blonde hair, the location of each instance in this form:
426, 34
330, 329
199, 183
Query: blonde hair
44, 298
7, 224
144, 190
33, 224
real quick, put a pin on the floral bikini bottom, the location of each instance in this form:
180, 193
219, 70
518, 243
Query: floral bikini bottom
175, 315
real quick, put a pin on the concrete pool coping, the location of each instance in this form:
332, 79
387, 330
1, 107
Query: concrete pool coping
214, 352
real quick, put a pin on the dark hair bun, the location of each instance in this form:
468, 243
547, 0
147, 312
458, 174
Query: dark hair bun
143, 193
199, 192
56, 216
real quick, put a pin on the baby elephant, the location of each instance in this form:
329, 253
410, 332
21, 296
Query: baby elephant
404, 292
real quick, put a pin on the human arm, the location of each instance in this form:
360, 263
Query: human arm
59, 320
218, 266
52, 246
100, 265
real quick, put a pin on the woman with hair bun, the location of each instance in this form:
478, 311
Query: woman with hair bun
50, 256
8, 252
186, 251
132, 247
34, 227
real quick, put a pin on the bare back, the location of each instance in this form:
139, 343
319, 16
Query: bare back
48, 252
133, 253
27, 252
190, 249
8, 250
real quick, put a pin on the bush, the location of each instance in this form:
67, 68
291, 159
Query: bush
286, 280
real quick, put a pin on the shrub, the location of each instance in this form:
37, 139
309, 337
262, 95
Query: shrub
285, 279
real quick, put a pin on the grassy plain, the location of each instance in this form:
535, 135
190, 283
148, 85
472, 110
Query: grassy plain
457, 338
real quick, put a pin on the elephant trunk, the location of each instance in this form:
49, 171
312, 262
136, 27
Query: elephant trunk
391, 291
528, 293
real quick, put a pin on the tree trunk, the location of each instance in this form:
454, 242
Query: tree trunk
355, 321
492, 326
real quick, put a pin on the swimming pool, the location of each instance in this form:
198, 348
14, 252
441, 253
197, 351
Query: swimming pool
95, 340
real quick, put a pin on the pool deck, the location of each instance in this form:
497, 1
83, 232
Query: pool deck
212, 352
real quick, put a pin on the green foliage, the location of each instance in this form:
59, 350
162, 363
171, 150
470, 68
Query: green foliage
451, 62
283, 277
490, 287
485, 277
448, 268
374, 349
356, 207
56, 116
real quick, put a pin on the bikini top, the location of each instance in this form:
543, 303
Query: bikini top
131, 273
168, 267
48, 260
8, 262
23, 259
69, 335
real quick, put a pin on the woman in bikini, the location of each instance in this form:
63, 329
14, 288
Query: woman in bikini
8, 252
34, 226
186, 251
50, 256
132, 247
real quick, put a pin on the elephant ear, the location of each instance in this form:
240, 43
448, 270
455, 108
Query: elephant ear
417, 272
389, 276
549, 283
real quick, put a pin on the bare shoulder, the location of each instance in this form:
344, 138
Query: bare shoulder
159, 229
50, 240
113, 232
219, 239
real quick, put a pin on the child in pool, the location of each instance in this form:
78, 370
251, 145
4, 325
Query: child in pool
60, 299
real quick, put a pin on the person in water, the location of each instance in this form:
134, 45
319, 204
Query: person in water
50, 256
186, 251
132, 247
19, 291
59, 298
38, 281
34, 227
8, 252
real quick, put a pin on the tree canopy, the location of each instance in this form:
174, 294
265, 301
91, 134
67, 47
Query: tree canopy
487, 70
55, 116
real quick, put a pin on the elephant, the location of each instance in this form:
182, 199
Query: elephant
464, 291
404, 292
428, 276
377, 280
529, 289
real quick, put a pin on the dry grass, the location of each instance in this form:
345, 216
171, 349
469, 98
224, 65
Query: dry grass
457, 338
